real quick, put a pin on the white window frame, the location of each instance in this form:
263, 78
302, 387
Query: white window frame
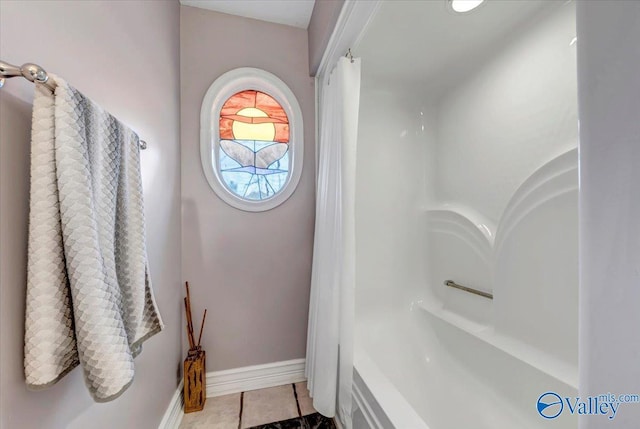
230, 83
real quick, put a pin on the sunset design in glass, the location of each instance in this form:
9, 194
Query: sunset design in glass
254, 145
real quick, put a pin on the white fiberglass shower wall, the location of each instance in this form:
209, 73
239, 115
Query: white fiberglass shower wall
467, 171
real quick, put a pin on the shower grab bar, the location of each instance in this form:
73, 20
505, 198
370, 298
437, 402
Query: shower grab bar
36, 74
453, 284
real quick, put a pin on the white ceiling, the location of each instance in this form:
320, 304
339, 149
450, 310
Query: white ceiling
296, 13
423, 41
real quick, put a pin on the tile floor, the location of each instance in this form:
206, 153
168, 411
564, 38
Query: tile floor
259, 408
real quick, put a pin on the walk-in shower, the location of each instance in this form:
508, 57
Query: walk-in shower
466, 215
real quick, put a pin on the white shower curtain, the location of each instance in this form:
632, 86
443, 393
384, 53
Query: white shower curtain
329, 367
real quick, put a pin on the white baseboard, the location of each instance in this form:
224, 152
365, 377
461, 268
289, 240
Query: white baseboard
254, 377
173, 416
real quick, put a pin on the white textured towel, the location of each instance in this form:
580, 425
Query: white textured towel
89, 298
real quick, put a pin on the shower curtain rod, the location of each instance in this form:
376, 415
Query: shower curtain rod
36, 74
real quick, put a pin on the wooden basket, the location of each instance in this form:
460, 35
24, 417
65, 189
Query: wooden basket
195, 386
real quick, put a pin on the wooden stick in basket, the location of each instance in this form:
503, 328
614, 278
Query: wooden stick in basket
202, 326
188, 296
190, 315
189, 326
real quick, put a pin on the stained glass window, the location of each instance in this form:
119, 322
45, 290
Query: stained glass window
254, 145
251, 139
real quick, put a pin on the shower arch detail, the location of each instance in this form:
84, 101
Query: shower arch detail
517, 260
251, 139
552, 180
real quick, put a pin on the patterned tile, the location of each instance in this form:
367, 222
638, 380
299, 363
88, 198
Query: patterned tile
318, 421
304, 401
268, 405
221, 412
312, 421
297, 423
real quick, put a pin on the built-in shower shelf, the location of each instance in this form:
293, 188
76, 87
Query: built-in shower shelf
533, 356
467, 325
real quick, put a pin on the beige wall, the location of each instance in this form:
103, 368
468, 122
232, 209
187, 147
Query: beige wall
251, 270
323, 20
124, 55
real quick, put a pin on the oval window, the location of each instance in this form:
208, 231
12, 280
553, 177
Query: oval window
251, 139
